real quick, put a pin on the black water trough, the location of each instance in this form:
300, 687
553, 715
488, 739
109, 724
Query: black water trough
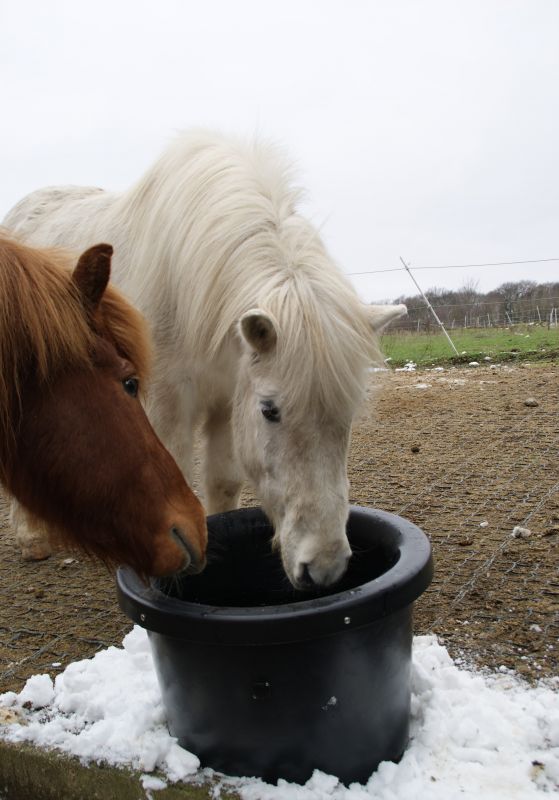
258, 679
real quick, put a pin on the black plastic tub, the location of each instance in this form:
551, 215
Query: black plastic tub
258, 679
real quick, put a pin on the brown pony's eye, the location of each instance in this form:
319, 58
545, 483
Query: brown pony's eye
131, 386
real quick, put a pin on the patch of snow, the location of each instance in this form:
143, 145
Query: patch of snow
107, 708
153, 784
521, 533
38, 692
408, 367
483, 524
473, 364
474, 736
422, 386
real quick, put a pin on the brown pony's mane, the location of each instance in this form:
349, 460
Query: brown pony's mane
44, 326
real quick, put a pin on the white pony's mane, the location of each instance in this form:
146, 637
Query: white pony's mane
241, 244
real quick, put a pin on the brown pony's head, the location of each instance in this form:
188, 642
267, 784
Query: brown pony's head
76, 447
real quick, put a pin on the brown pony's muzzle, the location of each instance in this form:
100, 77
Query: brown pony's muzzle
181, 544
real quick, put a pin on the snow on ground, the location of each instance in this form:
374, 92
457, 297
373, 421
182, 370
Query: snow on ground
473, 735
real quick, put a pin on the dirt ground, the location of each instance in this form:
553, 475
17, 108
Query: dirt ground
456, 451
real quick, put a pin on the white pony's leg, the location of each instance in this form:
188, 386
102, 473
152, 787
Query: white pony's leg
222, 484
30, 537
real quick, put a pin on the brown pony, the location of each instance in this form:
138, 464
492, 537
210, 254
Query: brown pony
76, 448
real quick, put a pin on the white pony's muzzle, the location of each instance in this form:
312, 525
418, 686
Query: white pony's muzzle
310, 560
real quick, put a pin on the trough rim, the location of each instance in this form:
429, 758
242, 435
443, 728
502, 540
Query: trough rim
302, 620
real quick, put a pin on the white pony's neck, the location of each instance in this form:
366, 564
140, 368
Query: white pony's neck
241, 244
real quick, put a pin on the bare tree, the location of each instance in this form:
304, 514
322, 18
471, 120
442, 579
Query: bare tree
521, 301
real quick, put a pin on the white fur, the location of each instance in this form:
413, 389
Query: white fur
208, 235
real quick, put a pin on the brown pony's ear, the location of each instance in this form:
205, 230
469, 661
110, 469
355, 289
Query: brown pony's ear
92, 274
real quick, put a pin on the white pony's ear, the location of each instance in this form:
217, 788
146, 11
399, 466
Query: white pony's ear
381, 316
258, 329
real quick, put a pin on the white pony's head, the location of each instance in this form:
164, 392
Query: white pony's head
256, 297
300, 383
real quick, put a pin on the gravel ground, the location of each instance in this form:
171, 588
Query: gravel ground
459, 452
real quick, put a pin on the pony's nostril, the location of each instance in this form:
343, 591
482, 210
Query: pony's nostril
179, 537
306, 578
194, 564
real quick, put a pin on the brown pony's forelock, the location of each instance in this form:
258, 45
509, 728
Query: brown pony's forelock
127, 330
42, 324
44, 327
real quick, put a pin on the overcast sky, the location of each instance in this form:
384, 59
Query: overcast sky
427, 129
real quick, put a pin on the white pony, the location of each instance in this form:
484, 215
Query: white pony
258, 335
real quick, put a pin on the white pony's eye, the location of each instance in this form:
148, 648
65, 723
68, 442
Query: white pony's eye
270, 411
